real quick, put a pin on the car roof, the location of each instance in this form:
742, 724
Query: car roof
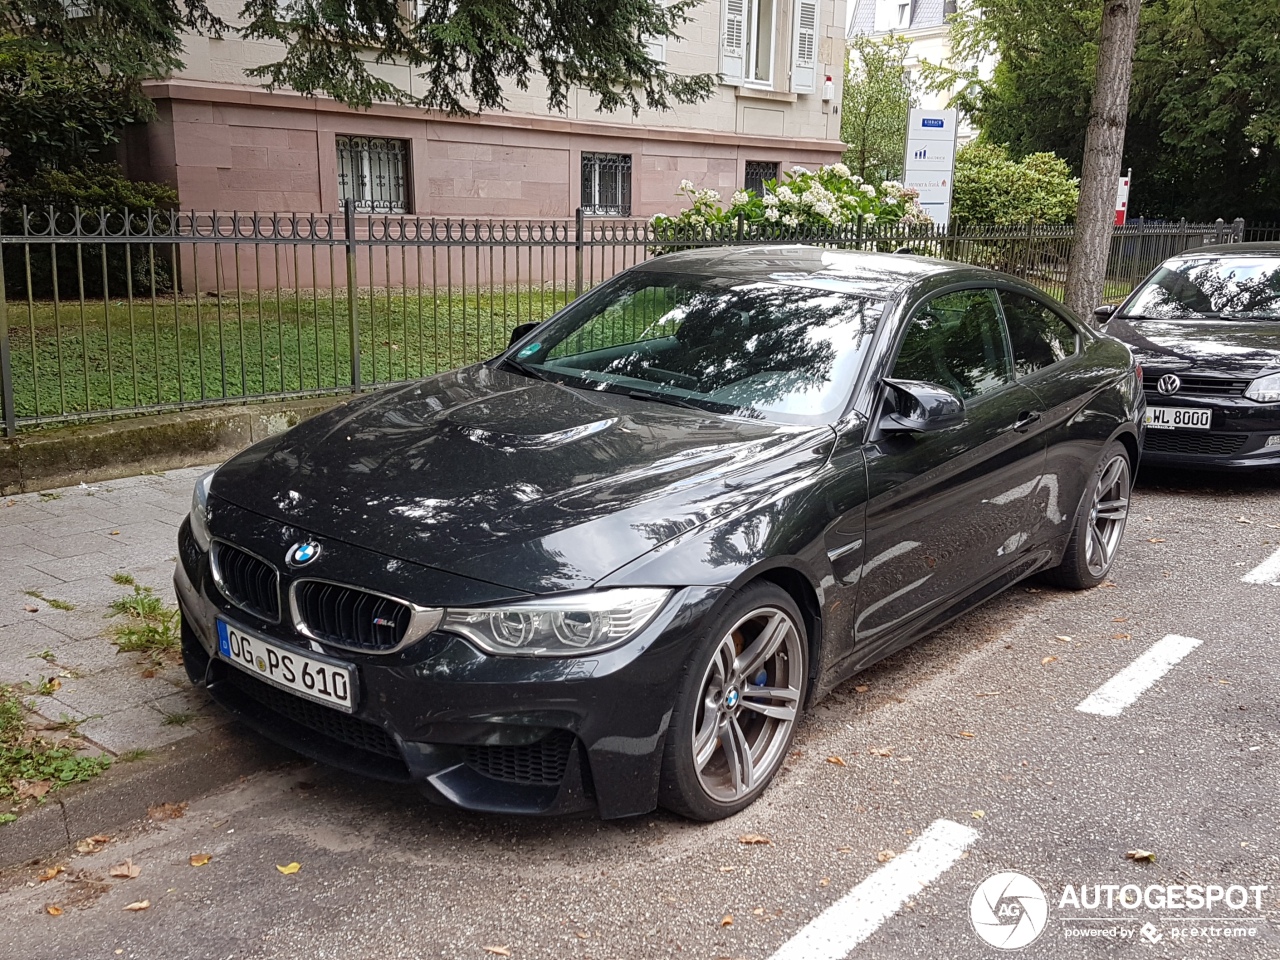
1261, 246
878, 275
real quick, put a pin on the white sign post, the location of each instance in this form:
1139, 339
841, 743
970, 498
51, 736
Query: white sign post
931, 160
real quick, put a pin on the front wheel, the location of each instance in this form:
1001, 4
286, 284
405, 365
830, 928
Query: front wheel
738, 705
1100, 526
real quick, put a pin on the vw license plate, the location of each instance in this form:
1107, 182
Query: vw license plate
1178, 418
325, 681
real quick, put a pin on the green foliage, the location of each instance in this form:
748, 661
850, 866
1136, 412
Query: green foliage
26, 757
150, 627
990, 187
469, 52
875, 105
1203, 135
57, 110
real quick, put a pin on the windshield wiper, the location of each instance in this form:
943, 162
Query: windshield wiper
655, 396
527, 370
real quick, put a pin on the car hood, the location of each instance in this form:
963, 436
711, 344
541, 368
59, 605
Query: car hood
514, 481
1234, 348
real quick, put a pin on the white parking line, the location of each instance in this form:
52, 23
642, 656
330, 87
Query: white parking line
858, 914
1110, 699
1268, 571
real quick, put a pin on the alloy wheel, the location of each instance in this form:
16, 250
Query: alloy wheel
1107, 516
749, 701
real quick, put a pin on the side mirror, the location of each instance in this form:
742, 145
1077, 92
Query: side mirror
520, 331
922, 407
1104, 313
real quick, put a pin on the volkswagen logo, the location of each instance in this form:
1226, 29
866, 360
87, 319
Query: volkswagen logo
1009, 910
300, 554
1169, 384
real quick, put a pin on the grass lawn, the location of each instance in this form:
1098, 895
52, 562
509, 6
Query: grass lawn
108, 356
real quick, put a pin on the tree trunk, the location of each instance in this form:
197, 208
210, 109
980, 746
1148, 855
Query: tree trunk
1103, 152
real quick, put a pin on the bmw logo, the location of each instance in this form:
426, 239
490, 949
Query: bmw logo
731, 699
300, 554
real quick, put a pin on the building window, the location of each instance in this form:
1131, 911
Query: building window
606, 184
892, 15
373, 171
758, 171
760, 31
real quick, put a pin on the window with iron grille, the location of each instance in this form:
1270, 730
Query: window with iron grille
606, 184
373, 171
758, 171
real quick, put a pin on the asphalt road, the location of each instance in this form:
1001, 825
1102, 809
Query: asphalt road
982, 733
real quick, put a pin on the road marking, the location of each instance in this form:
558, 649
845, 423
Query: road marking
1268, 571
1110, 699
860, 912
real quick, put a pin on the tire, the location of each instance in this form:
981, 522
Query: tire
725, 745
1095, 541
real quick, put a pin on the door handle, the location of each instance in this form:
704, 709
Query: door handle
1025, 419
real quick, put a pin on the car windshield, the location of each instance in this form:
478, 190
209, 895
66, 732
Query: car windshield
773, 351
1228, 288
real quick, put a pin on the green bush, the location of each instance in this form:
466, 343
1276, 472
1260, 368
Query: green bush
991, 187
103, 195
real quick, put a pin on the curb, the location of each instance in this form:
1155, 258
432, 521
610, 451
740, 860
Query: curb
176, 772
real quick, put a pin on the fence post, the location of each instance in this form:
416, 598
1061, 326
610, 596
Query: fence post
353, 288
741, 225
577, 252
1237, 230
1217, 228
1182, 235
6, 368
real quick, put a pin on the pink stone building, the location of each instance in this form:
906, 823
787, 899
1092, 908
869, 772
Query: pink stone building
227, 144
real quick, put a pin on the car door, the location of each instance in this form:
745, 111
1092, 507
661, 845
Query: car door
947, 511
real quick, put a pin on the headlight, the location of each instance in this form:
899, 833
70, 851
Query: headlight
200, 511
559, 626
1265, 389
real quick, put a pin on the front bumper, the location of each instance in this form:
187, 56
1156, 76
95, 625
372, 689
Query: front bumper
498, 734
1237, 439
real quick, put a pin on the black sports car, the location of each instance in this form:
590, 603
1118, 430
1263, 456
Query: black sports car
611, 566
1206, 328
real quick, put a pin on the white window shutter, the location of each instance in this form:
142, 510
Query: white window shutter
657, 48
733, 42
804, 48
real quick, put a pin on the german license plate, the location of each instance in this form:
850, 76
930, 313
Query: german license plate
1178, 418
324, 681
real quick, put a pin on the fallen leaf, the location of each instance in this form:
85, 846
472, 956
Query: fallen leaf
753, 839
148, 673
30, 609
1108, 584
52, 684
1122, 636
727, 869
53, 910
838, 761
498, 951
1119, 619
167, 811
1155, 540
128, 870
824, 882
289, 868
115, 533
884, 856
861, 688
1063, 639
1047, 660
46, 875
979, 814
583, 935
880, 752
726, 920
967, 734
34, 791
1141, 854
91, 844
138, 905
200, 859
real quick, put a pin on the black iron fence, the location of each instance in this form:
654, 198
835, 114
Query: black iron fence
109, 314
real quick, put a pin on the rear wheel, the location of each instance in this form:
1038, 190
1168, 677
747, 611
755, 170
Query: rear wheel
1100, 526
738, 705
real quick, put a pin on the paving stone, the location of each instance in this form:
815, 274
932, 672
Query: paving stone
74, 568
135, 728
106, 692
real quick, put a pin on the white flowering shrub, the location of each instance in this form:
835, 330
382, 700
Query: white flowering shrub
833, 197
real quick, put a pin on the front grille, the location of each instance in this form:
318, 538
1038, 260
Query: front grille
543, 762
251, 584
1193, 386
328, 722
1195, 443
348, 617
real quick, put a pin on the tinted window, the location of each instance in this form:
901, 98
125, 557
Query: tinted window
956, 341
1233, 288
776, 351
1039, 336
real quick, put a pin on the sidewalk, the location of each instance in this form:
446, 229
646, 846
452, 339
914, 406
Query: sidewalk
61, 547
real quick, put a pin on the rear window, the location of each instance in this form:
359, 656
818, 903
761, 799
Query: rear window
1039, 336
1229, 288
